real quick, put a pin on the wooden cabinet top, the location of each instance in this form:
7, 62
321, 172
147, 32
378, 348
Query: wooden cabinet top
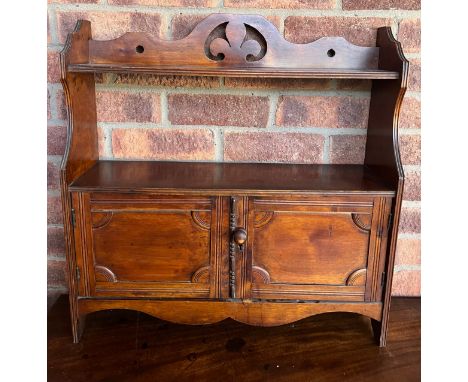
230, 177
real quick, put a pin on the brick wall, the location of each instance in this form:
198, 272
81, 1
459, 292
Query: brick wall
184, 118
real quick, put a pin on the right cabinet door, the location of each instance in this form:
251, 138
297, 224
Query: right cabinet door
316, 248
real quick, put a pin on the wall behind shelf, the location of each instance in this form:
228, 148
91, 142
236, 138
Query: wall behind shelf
196, 118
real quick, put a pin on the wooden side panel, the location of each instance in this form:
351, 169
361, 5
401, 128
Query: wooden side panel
81, 151
382, 148
159, 246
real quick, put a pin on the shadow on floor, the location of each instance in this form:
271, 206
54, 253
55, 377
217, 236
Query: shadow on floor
121, 345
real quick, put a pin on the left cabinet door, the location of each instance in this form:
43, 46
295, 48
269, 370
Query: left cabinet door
130, 245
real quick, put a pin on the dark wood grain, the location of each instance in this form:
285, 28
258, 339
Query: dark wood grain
230, 41
201, 242
81, 150
382, 145
163, 247
368, 74
130, 346
141, 176
325, 248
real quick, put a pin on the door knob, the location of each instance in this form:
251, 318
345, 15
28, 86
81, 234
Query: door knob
239, 236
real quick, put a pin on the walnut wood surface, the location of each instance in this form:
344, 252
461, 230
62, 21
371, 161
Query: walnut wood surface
314, 248
144, 176
248, 312
233, 45
131, 346
382, 147
81, 150
368, 74
163, 230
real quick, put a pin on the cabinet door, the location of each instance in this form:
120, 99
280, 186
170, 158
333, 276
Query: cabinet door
159, 246
323, 248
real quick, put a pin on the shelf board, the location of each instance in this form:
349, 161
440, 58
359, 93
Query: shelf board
373, 74
229, 178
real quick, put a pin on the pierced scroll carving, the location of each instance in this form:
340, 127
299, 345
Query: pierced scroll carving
262, 218
357, 277
229, 41
201, 275
102, 273
204, 222
363, 221
238, 43
101, 219
260, 275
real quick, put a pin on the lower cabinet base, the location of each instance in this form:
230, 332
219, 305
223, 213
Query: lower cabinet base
249, 312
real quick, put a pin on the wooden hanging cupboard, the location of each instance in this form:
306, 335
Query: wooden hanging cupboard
265, 244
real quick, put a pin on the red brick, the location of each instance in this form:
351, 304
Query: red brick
53, 175
56, 242
73, 1
56, 273
273, 147
49, 112
53, 66
349, 84
410, 115
412, 189
410, 149
406, 283
277, 83
318, 111
109, 25
167, 144
414, 76
410, 220
351, 5
54, 210
101, 143
182, 25
218, 110
166, 81
359, 31
409, 34
347, 149
167, 3
49, 38
128, 107
56, 139
408, 252
60, 104
285, 4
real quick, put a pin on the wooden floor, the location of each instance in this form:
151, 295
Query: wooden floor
130, 346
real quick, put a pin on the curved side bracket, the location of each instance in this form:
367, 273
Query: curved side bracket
382, 147
81, 150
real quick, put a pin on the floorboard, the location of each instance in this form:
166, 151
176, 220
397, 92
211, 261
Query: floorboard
130, 346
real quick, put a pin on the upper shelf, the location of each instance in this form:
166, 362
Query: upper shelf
224, 45
237, 72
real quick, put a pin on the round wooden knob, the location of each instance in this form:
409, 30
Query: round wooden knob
239, 236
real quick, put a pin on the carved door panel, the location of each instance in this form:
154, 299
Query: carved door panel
323, 248
158, 246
